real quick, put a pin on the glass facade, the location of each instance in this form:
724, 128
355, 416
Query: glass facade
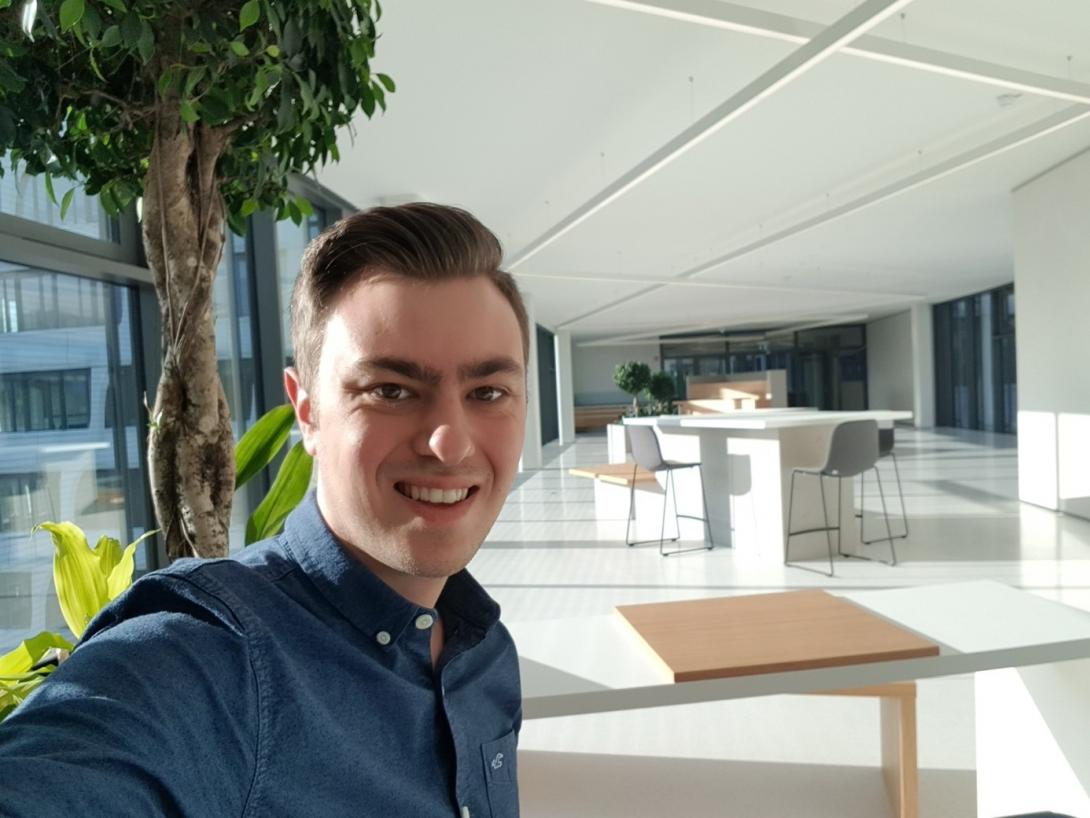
975, 379
69, 403
73, 385
826, 366
291, 240
27, 197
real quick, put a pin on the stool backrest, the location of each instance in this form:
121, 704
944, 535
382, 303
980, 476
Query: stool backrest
853, 448
645, 447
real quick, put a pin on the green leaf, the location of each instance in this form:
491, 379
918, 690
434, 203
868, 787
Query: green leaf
7, 127
166, 80
71, 13
66, 202
240, 48
194, 77
387, 82
188, 112
264, 440
200, 47
250, 13
367, 100
295, 213
81, 587
49, 187
111, 37
130, 29
304, 206
289, 488
248, 208
146, 43
273, 50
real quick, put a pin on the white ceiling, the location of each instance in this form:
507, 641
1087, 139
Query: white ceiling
523, 111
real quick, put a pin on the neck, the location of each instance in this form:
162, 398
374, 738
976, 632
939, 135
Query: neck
422, 591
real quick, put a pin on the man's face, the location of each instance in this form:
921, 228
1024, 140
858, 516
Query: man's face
416, 418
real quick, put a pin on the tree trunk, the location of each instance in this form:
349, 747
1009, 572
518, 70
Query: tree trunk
190, 443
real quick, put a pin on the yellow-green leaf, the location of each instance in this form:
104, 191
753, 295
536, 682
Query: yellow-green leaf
108, 553
20, 660
120, 577
81, 587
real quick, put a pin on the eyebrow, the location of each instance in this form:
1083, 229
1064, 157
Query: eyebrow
500, 365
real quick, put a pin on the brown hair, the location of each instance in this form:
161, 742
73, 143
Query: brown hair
420, 241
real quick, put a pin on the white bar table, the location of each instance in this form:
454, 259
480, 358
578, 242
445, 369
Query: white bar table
746, 460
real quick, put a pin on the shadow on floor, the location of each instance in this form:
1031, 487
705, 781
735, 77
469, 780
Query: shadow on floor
563, 785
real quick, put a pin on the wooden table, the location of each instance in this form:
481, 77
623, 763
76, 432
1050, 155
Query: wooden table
598, 664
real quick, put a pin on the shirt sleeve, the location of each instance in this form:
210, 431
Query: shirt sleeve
154, 713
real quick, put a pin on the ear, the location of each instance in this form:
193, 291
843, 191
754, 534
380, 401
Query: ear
305, 411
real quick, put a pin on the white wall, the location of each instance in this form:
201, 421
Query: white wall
1052, 310
890, 363
593, 367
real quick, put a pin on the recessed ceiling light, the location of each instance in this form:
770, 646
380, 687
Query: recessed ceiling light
1008, 99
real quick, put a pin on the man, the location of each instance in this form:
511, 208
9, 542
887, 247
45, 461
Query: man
349, 666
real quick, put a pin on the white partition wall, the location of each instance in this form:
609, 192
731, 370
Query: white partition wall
565, 386
531, 445
1052, 305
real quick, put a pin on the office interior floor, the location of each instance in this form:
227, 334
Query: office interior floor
549, 556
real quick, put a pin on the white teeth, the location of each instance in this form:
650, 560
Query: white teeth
430, 495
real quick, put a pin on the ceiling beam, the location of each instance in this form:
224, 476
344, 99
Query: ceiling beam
743, 19
1036, 130
704, 282
830, 40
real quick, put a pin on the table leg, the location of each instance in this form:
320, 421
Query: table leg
899, 758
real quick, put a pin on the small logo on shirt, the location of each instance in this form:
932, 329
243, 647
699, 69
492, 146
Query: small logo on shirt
497, 762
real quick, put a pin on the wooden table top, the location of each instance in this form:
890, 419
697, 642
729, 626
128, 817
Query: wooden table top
768, 633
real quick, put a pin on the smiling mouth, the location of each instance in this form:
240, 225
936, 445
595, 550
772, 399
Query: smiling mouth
435, 496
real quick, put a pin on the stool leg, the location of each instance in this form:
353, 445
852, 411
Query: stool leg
900, 491
885, 513
631, 506
707, 513
790, 509
825, 517
665, 501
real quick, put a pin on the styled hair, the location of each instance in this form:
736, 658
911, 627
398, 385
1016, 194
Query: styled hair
421, 241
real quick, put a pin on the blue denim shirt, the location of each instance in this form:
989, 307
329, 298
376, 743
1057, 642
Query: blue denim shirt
289, 682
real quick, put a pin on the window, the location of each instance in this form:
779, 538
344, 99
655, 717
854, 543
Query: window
47, 400
69, 404
25, 196
975, 379
291, 240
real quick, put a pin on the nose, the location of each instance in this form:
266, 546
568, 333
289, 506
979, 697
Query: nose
447, 434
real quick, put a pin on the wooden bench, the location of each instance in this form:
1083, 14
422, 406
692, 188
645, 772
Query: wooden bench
618, 474
588, 418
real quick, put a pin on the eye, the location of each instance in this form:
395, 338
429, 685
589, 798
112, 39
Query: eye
391, 392
488, 394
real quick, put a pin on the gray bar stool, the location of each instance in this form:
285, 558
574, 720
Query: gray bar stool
853, 449
644, 444
885, 449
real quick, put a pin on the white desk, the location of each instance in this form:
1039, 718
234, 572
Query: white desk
746, 460
598, 664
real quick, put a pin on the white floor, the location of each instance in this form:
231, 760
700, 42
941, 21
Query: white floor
548, 556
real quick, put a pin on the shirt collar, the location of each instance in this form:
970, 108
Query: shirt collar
363, 599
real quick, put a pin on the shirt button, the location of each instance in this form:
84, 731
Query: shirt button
382, 637
424, 621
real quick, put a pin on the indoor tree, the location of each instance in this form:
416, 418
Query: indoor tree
201, 111
633, 377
